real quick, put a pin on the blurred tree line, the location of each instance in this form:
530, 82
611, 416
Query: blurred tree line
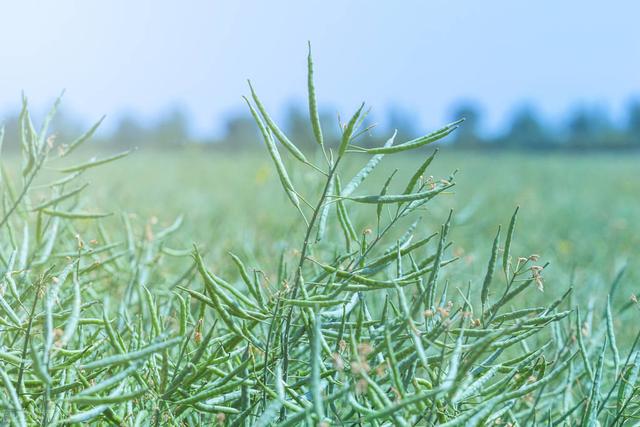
583, 129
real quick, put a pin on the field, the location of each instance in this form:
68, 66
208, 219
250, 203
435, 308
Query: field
210, 229
579, 212
350, 287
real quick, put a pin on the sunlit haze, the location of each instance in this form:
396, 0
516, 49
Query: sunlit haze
148, 57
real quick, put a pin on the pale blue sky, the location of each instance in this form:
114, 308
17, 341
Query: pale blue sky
144, 56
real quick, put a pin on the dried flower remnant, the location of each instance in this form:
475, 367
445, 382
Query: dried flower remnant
536, 272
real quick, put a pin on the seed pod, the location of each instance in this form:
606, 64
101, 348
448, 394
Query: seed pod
75, 215
490, 269
350, 234
82, 138
593, 404
347, 133
97, 400
316, 350
516, 314
612, 336
420, 172
507, 244
95, 162
383, 192
111, 381
401, 198
313, 106
126, 358
476, 386
17, 410
314, 303
60, 198
275, 156
366, 170
39, 369
324, 213
418, 142
276, 130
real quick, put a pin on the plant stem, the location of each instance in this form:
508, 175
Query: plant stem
298, 276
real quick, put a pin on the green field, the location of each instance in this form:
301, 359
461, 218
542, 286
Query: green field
578, 212
395, 316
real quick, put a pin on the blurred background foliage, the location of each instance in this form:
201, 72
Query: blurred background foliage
585, 128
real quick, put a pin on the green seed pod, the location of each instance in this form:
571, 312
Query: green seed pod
313, 106
366, 170
506, 256
490, 269
418, 142
127, 358
82, 138
75, 215
347, 133
401, 198
419, 173
275, 156
95, 162
276, 130
612, 336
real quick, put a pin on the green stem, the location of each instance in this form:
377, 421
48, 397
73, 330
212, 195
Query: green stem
298, 276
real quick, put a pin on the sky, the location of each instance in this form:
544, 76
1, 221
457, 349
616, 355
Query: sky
146, 57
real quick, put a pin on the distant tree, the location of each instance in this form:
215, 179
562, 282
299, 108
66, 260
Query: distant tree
633, 124
171, 130
581, 128
297, 126
527, 131
240, 132
468, 133
66, 127
404, 122
590, 128
330, 130
129, 133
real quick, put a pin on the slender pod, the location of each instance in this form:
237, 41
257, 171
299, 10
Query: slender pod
490, 269
60, 198
75, 215
284, 140
18, 411
126, 358
95, 162
82, 138
366, 170
348, 130
581, 346
110, 381
275, 156
316, 387
506, 255
418, 175
313, 105
383, 192
611, 335
418, 142
401, 198
324, 213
